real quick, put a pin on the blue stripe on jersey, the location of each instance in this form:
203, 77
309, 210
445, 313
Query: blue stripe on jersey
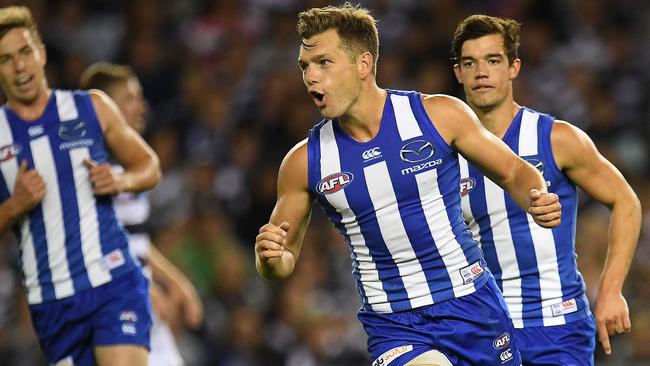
434, 269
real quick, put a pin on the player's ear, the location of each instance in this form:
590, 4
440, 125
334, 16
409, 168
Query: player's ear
365, 63
457, 73
515, 66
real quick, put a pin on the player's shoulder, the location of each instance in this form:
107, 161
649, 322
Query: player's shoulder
445, 107
297, 154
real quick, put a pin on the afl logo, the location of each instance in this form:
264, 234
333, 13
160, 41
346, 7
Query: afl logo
8, 152
416, 151
467, 185
502, 341
537, 164
334, 183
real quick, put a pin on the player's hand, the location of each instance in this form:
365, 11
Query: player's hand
105, 181
545, 208
271, 241
612, 317
29, 189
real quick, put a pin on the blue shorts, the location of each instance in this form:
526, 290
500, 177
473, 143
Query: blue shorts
571, 344
471, 330
118, 312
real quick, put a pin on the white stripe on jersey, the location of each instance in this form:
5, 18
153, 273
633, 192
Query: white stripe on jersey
65, 105
549, 273
330, 164
468, 215
52, 218
88, 224
407, 125
9, 172
394, 234
528, 134
543, 240
436, 215
505, 249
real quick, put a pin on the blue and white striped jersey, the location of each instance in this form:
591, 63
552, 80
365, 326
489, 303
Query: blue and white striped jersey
534, 267
72, 240
395, 199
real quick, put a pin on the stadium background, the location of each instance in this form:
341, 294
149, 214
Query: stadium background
227, 103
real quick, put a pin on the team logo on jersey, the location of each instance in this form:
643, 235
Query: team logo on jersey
8, 152
371, 154
467, 185
73, 130
35, 130
389, 356
416, 151
536, 163
502, 341
334, 183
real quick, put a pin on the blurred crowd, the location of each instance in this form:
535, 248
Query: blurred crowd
226, 102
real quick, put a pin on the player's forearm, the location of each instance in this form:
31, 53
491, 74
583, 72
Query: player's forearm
9, 213
141, 177
165, 272
275, 269
524, 178
623, 236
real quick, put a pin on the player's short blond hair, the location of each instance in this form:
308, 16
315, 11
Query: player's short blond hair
18, 17
353, 24
103, 75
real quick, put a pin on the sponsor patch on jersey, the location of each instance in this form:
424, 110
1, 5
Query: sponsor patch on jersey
389, 356
113, 259
334, 182
8, 152
506, 356
35, 130
471, 272
416, 151
371, 154
502, 341
467, 185
129, 328
565, 307
73, 130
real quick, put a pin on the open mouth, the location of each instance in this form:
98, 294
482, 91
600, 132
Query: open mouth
23, 80
318, 97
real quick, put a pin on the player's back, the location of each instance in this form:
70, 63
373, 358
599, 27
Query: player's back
395, 200
72, 240
534, 267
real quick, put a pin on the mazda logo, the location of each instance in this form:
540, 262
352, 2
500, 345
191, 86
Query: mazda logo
416, 151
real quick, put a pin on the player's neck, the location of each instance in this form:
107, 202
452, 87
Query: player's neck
363, 120
497, 120
33, 110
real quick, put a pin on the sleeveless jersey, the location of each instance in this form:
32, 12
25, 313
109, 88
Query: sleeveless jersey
395, 199
534, 267
72, 240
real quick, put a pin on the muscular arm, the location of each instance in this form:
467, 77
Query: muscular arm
141, 165
462, 130
579, 159
278, 245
